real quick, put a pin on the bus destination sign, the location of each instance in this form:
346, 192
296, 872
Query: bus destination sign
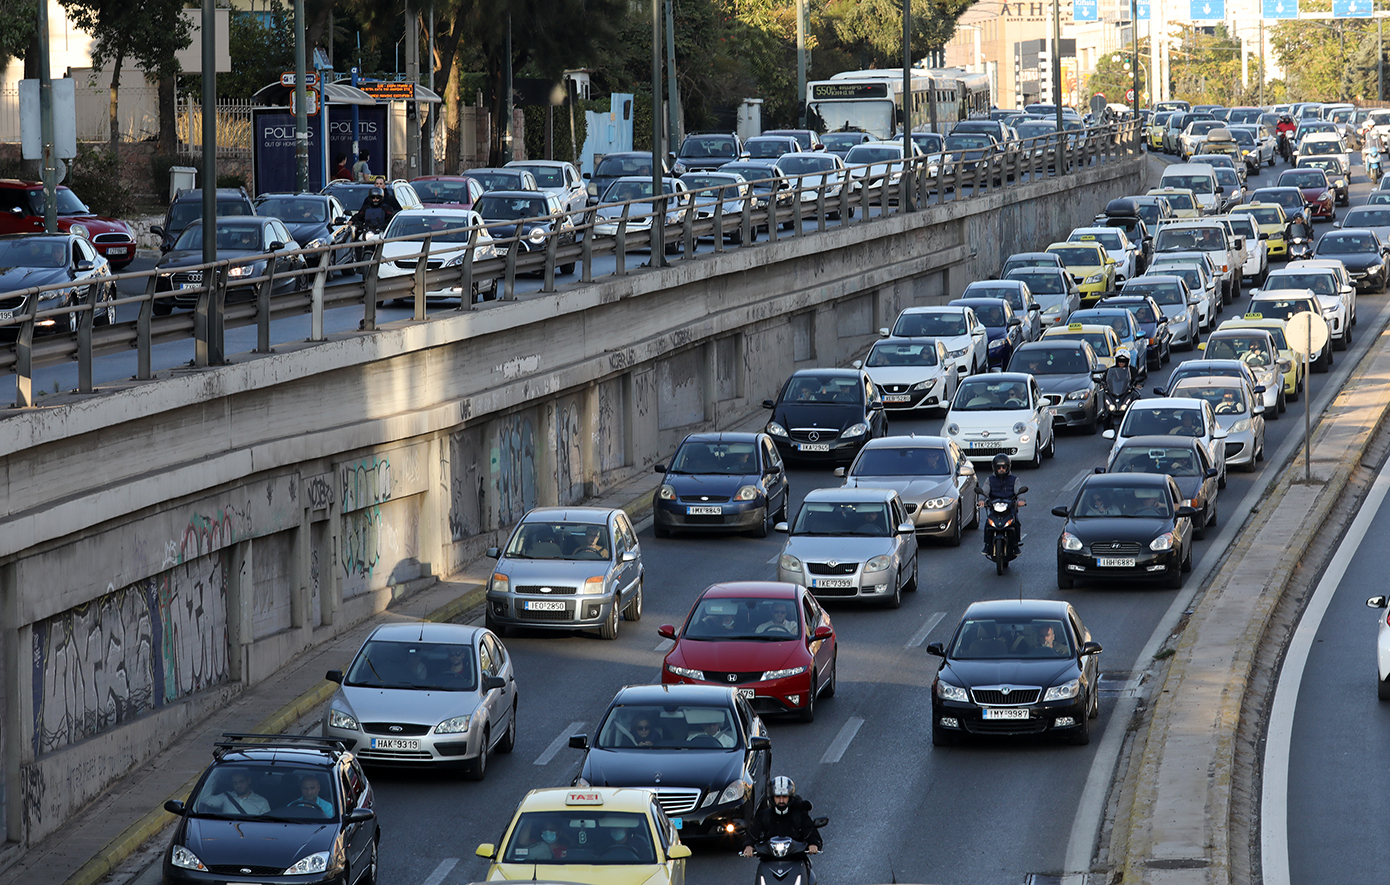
842, 90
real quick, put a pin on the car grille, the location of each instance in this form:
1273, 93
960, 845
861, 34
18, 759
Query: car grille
367, 754
825, 568
12, 303
542, 588
236, 869
566, 615
404, 729
1017, 697
676, 800
114, 238
1031, 725
1052, 399
430, 263
705, 499
805, 435
894, 388
193, 277
1080, 278
835, 591
1115, 548
732, 678
909, 507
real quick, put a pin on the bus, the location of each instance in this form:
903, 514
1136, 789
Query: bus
872, 101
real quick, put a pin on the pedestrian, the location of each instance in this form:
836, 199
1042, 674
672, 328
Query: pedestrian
360, 170
340, 167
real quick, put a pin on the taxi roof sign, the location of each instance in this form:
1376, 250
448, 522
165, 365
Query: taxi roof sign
1075, 327
1253, 316
585, 798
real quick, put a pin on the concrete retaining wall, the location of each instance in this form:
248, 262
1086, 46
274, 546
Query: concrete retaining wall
170, 542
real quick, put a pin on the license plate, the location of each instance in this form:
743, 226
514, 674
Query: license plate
985, 446
1010, 713
704, 511
746, 693
395, 744
1115, 562
896, 398
190, 285
119, 251
544, 605
6, 314
831, 582
813, 447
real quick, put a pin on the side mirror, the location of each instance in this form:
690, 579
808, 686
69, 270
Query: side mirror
820, 822
83, 264
1098, 376
822, 633
679, 852
1211, 473
157, 230
1240, 242
839, 471
493, 553
1021, 490
1189, 512
780, 527
1219, 434
276, 246
858, 364
934, 648
658, 468
491, 682
876, 406
1033, 307
579, 741
359, 816
667, 631
759, 742
1059, 511
1098, 470
628, 556
1107, 434
1013, 322
175, 806
1159, 391
1259, 388
768, 404
487, 850
1091, 648
906, 528
883, 333
1373, 602
342, 219
334, 676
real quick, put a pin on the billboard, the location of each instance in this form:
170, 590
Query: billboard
274, 165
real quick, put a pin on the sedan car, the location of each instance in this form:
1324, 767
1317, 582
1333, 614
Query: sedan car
627, 205
557, 178
1153, 325
1195, 270
1175, 416
825, 415
720, 481
1056, 292
1127, 330
1272, 224
1125, 526
812, 173
1185, 461
1025, 666
256, 244
851, 543
1250, 354
722, 193
931, 475
313, 220
1239, 410
965, 337
1066, 372
448, 230
1020, 298
21, 211
772, 640
1337, 175
503, 179
1175, 300
911, 373
1090, 265
1281, 303
1361, 252
1375, 218
706, 758
1005, 330
426, 694
526, 220
1102, 339
1315, 188
29, 260
766, 183
1290, 199
876, 166
448, 191
567, 568
1002, 413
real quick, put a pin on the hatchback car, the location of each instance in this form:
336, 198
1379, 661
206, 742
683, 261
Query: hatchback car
30, 260
1125, 526
839, 143
851, 543
814, 173
527, 221
1239, 410
1014, 667
1277, 302
1337, 175
965, 337
1240, 353
628, 206
1177, 303
1185, 461
1029, 259
1066, 371
1127, 330
1090, 265
1203, 283
567, 568
722, 194
1272, 224
426, 694
1020, 298
1103, 340
772, 640
931, 475
721, 481
1175, 416
1316, 190
1004, 328
1290, 359
1116, 244
911, 373
1327, 277
825, 415
1002, 413
1056, 292
449, 234
255, 244
313, 220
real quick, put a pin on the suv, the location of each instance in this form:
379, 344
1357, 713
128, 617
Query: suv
1211, 237
21, 212
275, 806
706, 152
187, 207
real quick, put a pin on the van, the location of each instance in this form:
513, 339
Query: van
1198, 178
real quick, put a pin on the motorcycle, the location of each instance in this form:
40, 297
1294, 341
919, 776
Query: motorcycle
1300, 247
1119, 394
1373, 165
784, 861
1286, 147
1001, 529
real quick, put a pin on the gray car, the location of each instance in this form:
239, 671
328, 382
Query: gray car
851, 544
427, 694
567, 568
930, 473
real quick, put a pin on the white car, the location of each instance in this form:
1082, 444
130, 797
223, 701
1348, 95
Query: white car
911, 373
1117, 246
809, 170
1195, 270
1382, 647
1327, 279
557, 178
1239, 411
1175, 416
1345, 288
1001, 412
877, 162
448, 245
1255, 263
965, 337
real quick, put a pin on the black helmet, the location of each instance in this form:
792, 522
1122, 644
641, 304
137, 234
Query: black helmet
1001, 460
376, 195
1122, 358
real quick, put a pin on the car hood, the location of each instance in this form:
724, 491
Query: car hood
1358, 260
1172, 311
1062, 384
830, 416
95, 224
1045, 673
308, 232
994, 419
256, 843
12, 279
915, 489
846, 548
709, 483
418, 706
187, 257
1189, 486
903, 374
1119, 528
743, 656
708, 769
582, 874
1312, 193
542, 571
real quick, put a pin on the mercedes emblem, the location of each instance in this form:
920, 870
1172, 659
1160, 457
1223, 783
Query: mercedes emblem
656, 778
813, 436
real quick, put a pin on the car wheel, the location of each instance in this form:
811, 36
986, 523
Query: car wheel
911, 585
1065, 581
609, 630
808, 712
760, 530
1081, 736
1036, 461
1221, 480
508, 742
1199, 528
829, 690
953, 539
369, 875
1325, 362
1167, 356
1383, 689
1186, 562
1051, 446
896, 600
477, 769
1094, 712
633, 612
1174, 581
1346, 336
941, 737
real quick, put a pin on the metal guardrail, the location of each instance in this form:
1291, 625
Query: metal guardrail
799, 209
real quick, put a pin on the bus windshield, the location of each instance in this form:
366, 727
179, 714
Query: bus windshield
874, 116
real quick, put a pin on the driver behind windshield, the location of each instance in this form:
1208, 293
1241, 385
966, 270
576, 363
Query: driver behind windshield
779, 619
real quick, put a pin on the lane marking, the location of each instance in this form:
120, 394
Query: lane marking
1076, 480
841, 743
445, 867
932, 620
664, 646
775, 557
559, 743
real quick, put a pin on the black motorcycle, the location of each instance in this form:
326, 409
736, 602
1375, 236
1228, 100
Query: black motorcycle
1286, 147
784, 861
1119, 394
1001, 529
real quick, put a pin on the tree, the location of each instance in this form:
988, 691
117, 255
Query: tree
1206, 68
18, 28
1327, 61
873, 29
148, 32
260, 52
1114, 76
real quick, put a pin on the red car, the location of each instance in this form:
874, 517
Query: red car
447, 191
771, 640
1317, 191
21, 212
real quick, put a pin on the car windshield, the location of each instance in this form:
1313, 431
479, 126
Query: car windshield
841, 141
1180, 201
294, 210
34, 252
1162, 420
929, 142
989, 314
967, 142
1190, 274
806, 164
546, 176
1012, 294
1198, 184
1036, 129
989, 394
1155, 459
1346, 244
914, 325
1250, 349
429, 666
495, 208
442, 228
497, 180
352, 196
1207, 239
1119, 322
1042, 282
1367, 218
622, 191
1162, 293
574, 541
589, 836
1099, 341
870, 153
268, 792
842, 519
1145, 502
1077, 256
1050, 361
241, 238
1264, 214
1320, 147
1329, 166
1291, 200
1108, 239
723, 619
845, 390
696, 182
1280, 308
435, 191
905, 461
1007, 639
673, 726
69, 204
613, 167
183, 214
1303, 178
1321, 282
1243, 137
706, 146
720, 458
1224, 400
1227, 178
1141, 312
895, 353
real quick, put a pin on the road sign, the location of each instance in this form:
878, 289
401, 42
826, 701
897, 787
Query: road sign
1306, 332
1279, 9
1213, 10
1142, 9
1351, 8
312, 95
1098, 104
1129, 96
64, 119
389, 91
311, 78
1085, 10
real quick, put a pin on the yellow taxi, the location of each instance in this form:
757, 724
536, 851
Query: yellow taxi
1153, 133
1090, 265
589, 836
1182, 200
1293, 376
1102, 338
1272, 222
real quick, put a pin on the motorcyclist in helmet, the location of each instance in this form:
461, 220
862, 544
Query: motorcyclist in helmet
787, 815
1299, 228
1121, 373
1003, 484
375, 213
1284, 131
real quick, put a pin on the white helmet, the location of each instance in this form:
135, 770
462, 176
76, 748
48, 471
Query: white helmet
782, 786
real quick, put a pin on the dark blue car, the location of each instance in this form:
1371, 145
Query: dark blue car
1003, 325
722, 482
1152, 323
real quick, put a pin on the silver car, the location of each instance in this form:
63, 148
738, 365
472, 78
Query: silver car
930, 473
851, 544
419, 693
1239, 412
567, 568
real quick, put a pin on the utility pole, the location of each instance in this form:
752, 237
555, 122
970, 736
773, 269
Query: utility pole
906, 108
801, 63
511, 106
412, 107
50, 159
1057, 62
301, 102
1262, 61
210, 129
673, 130
1134, 41
429, 108
658, 228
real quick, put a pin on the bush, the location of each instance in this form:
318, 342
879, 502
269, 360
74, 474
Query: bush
560, 145
95, 175
231, 181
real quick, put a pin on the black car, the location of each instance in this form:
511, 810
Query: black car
1025, 666
720, 481
826, 415
1361, 251
274, 808
1066, 370
1125, 527
708, 762
312, 219
620, 164
1152, 322
539, 215
30, 260
187, 207
1182, 458
253, 243
706, 152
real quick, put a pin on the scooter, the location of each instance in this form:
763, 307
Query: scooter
1001, 529
1286, 147
784, 861
1373, 165
1300, 247
1119, 396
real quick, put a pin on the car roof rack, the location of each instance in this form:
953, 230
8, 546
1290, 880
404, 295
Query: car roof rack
235, 740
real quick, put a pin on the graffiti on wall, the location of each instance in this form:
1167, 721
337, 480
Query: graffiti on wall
611, 439
513, 469
363, 486
570, 434
467, 493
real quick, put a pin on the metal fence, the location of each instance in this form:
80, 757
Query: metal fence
233, 127
137, 112
469, 260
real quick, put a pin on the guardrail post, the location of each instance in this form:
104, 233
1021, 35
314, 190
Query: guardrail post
719, 219
370, 276
419, 284
202, 320
846, 214
958, 170
316, 296
143, 327
263, 290
747, 232
586, 250
820, 203
772, 211
620, 243
217, 329
552, 243
466, 272
85, 320
24, 356
509, 275
688, 231
797, 220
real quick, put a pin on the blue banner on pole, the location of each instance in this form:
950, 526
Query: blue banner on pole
1142, 10
1280, 9
1211, 10
1085, 10
1351, 8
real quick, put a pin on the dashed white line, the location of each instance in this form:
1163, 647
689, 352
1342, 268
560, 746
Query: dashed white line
776, 556
1076, 480
445, 867
559, 743
838, 746
664, 646
932, 620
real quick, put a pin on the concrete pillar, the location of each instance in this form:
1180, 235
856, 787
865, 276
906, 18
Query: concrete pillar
710, 363
547, 481
299, 598
239, 601
17, 702
593, 479
434, 516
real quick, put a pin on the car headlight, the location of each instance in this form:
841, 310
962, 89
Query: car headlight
1020, 427
1241, 426
666, 493
678, 169
1054, 310
1162, 542
80, 230
735, 791
856, 430
997, 343
747, 493
686, 672
457, 725
776, 429
1063, 692
948, 692
313, 863
1070, 542
924, 385
500, 583
1095, 277
339, 719
241, 270
954, 354
1375, 268
315, 243
953, 429
937, 503
878, 564
183, 858
783, 674
1081, 394
593, 190
592, 585
789, 563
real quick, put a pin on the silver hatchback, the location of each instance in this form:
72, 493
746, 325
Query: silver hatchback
851, 543
567, 568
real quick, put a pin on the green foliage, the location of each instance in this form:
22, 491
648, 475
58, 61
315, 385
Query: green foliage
1114, 75
873, 29
1327, 61
260, 52
1205, 69
562, 149
95, 175
231, 180
147, 32
18, 19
